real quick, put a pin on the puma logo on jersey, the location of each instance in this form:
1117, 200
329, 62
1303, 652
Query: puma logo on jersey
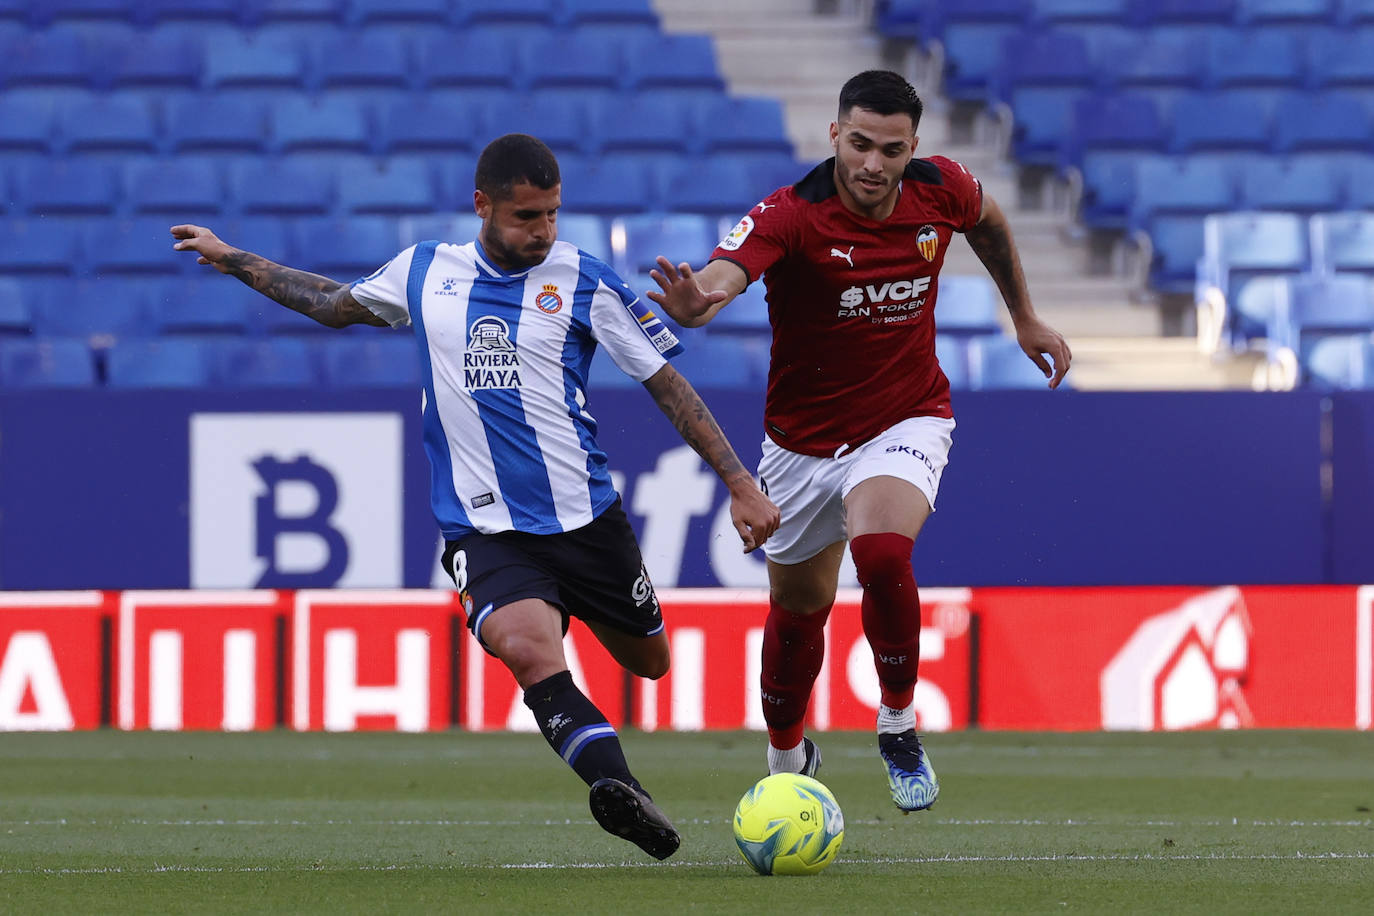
847, 255
763, 208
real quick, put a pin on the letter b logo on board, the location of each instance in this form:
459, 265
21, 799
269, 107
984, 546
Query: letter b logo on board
296, 500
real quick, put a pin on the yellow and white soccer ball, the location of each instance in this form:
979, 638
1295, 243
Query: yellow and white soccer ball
788, 824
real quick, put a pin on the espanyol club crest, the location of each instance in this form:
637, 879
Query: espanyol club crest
548, 301
928, 242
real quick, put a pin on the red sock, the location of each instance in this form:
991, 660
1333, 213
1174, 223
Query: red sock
891, 612
793, 649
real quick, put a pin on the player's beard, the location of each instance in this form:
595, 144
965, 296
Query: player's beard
869, 198
510, 258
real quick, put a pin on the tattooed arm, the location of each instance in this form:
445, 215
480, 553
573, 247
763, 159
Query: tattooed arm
327, 301
991, 241
754, 515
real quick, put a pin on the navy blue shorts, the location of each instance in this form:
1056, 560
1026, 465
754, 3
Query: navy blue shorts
594, 573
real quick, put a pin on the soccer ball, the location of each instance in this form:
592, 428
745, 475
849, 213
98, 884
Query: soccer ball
788, 824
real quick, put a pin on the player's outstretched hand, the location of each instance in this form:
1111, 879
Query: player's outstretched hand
682, 297
1039, 340
754, 515
204, 243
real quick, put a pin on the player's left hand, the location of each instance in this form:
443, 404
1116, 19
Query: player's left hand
754, 515
1039, 340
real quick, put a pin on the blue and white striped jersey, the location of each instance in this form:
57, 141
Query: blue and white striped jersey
504, 358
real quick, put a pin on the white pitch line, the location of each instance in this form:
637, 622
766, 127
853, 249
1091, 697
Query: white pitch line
845, 860
868, 822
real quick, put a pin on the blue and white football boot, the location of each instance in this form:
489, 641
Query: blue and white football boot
909, 775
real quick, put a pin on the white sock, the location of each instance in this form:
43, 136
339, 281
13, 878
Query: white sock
788, 761
895, 721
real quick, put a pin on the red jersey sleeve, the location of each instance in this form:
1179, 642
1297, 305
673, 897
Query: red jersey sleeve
966, 192
763, 235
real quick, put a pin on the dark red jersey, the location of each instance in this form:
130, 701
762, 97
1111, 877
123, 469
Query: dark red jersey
852, 302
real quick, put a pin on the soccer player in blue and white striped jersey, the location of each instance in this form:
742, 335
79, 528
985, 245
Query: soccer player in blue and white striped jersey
506, 326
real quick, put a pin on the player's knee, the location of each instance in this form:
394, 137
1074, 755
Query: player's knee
881, 558
651, 665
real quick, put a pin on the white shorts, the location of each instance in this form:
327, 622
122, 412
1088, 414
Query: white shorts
810, 491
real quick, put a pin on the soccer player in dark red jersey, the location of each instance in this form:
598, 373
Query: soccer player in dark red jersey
857, 419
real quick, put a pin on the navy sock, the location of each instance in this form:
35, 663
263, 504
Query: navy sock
576, 730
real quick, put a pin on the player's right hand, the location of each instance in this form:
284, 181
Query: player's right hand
203, 242
754, 515
682, 297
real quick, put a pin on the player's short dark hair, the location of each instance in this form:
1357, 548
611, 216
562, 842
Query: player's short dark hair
881, 92
515, 159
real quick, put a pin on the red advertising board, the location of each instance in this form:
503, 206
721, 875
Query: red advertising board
51, 660
198, 660
1073, 658
369, 660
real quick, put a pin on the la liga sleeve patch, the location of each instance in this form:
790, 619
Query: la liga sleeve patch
737, 235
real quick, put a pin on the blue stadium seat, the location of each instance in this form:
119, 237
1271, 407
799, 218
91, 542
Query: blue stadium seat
1323, 121
16, 308
953, 356
747, 313
939, 18
723, 185
1254, 57
366, 60
466, 60
459, 228
1054, 58
213, 124
1341, 361
51, 363
149, 59
1241, 248
543, 13
455, 176
743, 124
54, 57
640, 238
583, 60
610, 12
967, 306
386, 188
82, 11
1342, 59
94, 310
1359, 190
649, 121
608, 185
1043, 121
1184, 185
68, 187
561, 122
107, 123
435, 123
158, 363
344, 249
666, 61
587, 231
1216, 121
1177, 244
319, 12
1323, 305
329, 123
242, 61
409, 12
1159, 61
1060, 12
206, 304
274, 362
376, 361
1285, 12
182, 188
285, 188
1115, 121
26, 124
1355, 12
229, 12
1305, 185
38, 246
139, 247
999, 363
973, 53
1187, 12
1343, 242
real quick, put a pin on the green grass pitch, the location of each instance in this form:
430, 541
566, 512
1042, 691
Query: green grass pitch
1243, 822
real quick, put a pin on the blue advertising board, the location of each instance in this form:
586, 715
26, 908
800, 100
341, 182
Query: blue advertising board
162, 489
